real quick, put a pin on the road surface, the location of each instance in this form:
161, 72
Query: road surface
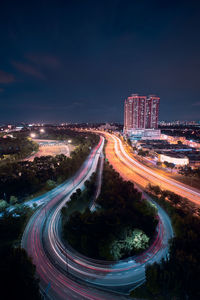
67, 274
51, 147
142, 175
58, 284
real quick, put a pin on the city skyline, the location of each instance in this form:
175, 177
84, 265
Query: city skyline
76, 62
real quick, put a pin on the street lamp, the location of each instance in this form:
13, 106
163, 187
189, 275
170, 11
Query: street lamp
33, 135
41, 130
69, 141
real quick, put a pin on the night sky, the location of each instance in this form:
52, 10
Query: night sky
76, 61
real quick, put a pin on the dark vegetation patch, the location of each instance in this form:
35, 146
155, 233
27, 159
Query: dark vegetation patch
121, 218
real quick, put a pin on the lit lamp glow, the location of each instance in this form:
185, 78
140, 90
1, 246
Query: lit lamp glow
33, 135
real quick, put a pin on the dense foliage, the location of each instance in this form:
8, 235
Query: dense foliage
23, 178
80, 200
15, 148
143, 153
177, 277
169, 165
188, 171
59, 133
17, 273
120, 210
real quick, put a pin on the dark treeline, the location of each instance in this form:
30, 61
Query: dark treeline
80, 200
23, 178
17, 273
143, 153
16, 148
175, 200
58, 133
189, 132
177, 277
120, 210
188, 171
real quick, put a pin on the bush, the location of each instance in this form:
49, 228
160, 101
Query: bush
3, 205
13, 200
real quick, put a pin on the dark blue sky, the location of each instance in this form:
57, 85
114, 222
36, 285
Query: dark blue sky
77, 60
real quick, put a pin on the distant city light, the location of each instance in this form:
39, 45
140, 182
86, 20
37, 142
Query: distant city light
41, 130
69, 141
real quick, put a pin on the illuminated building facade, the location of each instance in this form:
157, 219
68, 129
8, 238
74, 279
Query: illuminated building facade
177, 160
152, 110
134, 112
141, 113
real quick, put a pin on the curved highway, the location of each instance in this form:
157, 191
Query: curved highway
145, 175
66, 274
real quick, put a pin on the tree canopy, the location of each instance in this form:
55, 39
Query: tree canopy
24, 178
178, 276
17, 273
122, 218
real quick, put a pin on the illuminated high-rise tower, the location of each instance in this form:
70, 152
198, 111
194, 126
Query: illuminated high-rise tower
141, 112
134, 112
152, 110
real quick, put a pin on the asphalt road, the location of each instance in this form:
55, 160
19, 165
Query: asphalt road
144, 175
55, 282
64, 273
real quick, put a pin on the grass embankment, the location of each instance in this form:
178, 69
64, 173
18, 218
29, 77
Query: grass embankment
191, 181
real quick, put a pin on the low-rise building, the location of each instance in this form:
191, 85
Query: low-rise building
174, 158
176, 153
143, 134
